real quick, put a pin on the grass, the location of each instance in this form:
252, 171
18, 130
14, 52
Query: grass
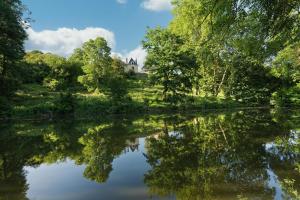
33, 100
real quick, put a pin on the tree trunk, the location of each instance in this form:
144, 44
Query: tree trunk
2, 62
222, 81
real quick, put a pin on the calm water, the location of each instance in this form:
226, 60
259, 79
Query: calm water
253, 154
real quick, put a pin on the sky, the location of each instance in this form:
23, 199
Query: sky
60, 26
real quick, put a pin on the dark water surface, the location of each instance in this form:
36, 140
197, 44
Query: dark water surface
250, 154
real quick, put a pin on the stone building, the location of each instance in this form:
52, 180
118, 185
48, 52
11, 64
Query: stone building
131, 65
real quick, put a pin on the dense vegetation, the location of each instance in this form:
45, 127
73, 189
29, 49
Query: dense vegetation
213, 54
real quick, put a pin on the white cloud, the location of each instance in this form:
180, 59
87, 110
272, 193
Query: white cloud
157, 5
122, 1
64, 40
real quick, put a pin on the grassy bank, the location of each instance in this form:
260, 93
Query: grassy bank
37, 101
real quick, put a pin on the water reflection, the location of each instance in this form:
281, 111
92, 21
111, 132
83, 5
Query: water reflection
252, 154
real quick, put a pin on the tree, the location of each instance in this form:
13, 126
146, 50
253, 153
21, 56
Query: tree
76, 62
54, 71
115, 83
101, 146
169, 63
101, 72
224, 33
77, 57
61, 73
12, 36
34, 68
286, 67
250, 82
97, 62
201, 157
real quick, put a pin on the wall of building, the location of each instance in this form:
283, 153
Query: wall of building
131, 68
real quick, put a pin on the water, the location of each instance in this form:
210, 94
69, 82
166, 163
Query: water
250, 154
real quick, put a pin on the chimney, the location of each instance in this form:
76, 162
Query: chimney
126, 60
136, 61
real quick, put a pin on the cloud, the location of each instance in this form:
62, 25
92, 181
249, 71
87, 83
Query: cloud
122, 1
157, 5
64, 40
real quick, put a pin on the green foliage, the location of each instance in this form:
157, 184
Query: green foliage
235, 42
169, 64
12, 36
60, 72
114, 82
286, 65
286, 97
193, 156
65, 104
52, 84
200, 158
77, 57
5, 106
53, 71
101, 72
116, 86
212, 52
97, 61
100, 149
34, 68
8, 85
118, 66
250, 83
12, 33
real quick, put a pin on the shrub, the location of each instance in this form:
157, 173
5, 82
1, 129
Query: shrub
52, 84
286, 97
65, 104
5, 106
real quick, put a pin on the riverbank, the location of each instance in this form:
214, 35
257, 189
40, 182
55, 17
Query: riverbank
36, 101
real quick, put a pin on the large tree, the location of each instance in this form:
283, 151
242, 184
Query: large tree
12, 36
34, 68
101, 72
97, 61
169, 63
286, 67
233, 37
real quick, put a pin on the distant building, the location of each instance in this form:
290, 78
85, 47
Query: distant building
132, 65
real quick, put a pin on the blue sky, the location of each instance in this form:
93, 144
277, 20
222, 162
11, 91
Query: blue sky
122, 22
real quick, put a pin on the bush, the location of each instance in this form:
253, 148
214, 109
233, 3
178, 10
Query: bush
65, 104
286, 97
130, 74
5, 106
8, 85
52, 84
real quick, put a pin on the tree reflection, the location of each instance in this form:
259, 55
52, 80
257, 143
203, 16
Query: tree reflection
31, 144
102, 144
98, 153
15, 152
233, 155
213, 157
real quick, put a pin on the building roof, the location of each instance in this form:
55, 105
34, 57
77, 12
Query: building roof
132, 62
